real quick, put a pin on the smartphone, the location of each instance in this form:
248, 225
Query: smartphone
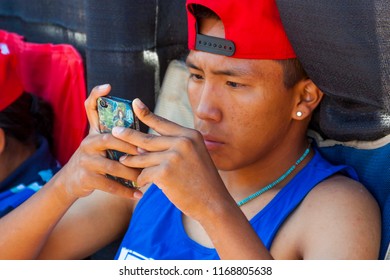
114, 111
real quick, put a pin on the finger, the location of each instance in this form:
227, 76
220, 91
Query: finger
107, 141
144, 160
100, 143
148, 177
144, 141
117, 171
157, 123
92, 155
91, 105
101, 182
105, 166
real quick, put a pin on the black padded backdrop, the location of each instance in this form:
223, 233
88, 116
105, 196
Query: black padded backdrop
345, 48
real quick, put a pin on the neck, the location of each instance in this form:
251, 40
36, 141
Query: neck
273, 164
13, 156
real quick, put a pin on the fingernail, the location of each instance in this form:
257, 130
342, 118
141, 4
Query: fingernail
139, 103
117, 130
122, 158
103, 87
138, 194
140, 150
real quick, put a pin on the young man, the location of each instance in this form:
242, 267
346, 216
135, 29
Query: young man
246, 184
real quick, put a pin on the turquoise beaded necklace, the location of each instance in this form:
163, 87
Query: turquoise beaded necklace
277, 181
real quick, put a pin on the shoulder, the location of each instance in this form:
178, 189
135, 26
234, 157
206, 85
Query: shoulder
339, 188
341, 220
341, 194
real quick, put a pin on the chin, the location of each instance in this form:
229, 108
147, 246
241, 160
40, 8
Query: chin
225, 166
223, 162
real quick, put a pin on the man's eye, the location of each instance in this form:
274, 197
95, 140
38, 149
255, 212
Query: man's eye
233, 84
196, 77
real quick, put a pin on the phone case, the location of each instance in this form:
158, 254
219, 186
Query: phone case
115, 111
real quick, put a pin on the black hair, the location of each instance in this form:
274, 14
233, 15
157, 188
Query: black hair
293, 71
27, 118
202, 12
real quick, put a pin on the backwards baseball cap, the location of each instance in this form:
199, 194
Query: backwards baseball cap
11, 87
253, 30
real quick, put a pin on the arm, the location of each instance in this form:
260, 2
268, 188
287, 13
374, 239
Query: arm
90, 224
36, 229
38, 222
24, 230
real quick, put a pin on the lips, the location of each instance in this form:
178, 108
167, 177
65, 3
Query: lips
212, 143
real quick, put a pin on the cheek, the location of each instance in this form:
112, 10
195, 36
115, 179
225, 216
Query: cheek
194, 101
249, 115
245, 123
258, 125
193, 93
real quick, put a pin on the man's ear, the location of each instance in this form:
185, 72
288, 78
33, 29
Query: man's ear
308, 97
2, 140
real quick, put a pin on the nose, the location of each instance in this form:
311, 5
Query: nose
208, 103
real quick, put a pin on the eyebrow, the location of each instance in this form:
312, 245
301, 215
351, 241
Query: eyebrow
236, 72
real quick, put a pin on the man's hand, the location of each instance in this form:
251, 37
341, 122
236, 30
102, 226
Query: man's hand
177, 161
88, 166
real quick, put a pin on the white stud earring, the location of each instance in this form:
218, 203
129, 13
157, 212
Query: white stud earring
299, 114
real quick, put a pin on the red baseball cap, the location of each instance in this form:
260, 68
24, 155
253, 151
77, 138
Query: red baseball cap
253, 30
10, 82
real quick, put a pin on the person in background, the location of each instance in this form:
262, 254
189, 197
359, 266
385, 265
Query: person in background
26, 124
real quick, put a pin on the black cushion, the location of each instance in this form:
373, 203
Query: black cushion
345, 48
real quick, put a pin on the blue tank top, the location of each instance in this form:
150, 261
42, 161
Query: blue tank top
156, 230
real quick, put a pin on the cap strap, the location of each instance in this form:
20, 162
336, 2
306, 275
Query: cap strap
214, 45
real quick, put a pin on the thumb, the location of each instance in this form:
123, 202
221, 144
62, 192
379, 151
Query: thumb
157, 123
